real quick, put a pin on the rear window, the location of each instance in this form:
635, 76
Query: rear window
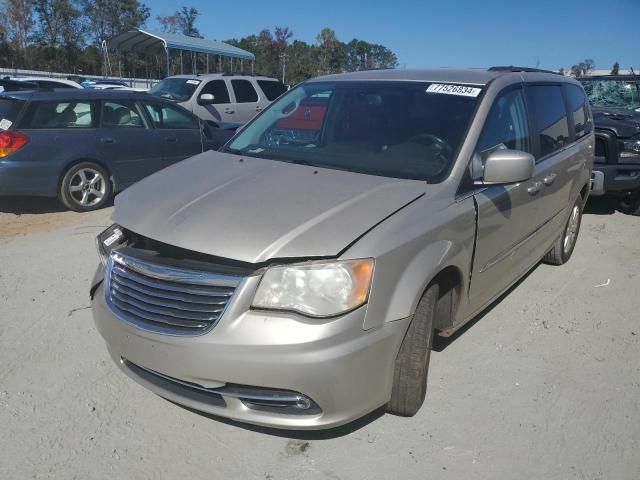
9, 109
272, 89
59, 115
245, 93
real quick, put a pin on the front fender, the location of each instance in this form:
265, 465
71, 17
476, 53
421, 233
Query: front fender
411, 249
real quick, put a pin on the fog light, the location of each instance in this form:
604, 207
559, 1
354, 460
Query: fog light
303, 403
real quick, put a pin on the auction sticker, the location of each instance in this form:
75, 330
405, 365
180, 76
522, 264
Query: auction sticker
5, 124
454, 90
193, 82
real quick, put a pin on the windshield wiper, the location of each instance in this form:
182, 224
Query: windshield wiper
234, 151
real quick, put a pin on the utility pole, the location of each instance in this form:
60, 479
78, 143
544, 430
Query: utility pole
284, 57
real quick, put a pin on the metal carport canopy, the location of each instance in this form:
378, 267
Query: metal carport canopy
138, 40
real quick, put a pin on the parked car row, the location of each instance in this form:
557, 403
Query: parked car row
83, 145
296, 278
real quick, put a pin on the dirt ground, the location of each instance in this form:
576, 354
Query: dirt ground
546, 385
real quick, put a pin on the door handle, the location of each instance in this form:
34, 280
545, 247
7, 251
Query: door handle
228, 110
549, 179
534, 189
172, 140
107, 140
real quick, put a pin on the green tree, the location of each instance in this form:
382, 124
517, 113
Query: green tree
107, 18
19, 23
331, 52
615, 70
183, 21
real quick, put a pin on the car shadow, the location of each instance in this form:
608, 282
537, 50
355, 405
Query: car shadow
605, 205
441, 343
26, 205
328, 434
35, 205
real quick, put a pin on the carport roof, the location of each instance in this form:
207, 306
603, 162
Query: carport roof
138, 40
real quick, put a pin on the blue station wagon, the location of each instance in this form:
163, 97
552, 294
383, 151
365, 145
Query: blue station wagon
83, 146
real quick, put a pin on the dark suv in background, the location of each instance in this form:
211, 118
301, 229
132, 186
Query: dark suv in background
615, 101
84, 145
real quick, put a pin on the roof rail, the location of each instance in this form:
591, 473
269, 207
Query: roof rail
512, 68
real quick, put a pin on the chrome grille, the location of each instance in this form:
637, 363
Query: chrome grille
166, 299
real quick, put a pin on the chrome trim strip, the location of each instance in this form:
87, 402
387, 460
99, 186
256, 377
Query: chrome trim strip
171, 274
135, 277
132, 285
225, 392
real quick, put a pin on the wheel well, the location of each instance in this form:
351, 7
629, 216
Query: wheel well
80, 160
450, 283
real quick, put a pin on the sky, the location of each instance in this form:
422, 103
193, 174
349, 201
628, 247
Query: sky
444, 33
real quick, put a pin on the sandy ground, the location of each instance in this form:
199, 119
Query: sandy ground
546, 385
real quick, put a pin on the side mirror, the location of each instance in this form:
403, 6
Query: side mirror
206, 99
508, 166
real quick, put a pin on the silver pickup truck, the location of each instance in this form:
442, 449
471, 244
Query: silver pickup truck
296, 278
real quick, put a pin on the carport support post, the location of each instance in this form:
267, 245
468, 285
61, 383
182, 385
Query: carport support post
252, 63
219, 63
181, 64
166, 51
207, 63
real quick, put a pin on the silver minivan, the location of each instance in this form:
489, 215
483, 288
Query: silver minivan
296, 279
223, 99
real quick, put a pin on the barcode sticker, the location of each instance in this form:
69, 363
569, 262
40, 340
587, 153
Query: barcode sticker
5, 124
193, 82
454, 90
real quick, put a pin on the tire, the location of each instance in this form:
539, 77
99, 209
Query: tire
631, 205
85, 186
564, 246
412, 363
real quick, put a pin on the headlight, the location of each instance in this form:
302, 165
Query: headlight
111, 238
631, 150
316, 289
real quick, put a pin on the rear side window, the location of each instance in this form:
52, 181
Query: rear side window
272, 89
9, 109
245, 93
217, 88
549, 116
578, 108
59, 115
168, 117
121, 114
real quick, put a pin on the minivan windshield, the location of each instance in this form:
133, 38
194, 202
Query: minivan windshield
394, 129
613, 93
178, 89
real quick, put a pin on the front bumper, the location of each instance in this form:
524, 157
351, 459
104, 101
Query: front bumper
615, 178
344, 369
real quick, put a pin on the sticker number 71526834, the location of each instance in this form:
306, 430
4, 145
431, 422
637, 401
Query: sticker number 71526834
454, 90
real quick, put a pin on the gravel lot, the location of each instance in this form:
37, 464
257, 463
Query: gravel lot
545, 385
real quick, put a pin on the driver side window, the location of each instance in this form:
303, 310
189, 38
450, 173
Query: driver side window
506, 127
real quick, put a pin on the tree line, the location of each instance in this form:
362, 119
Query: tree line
67, 36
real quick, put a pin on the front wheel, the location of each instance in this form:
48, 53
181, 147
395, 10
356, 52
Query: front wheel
563, 248
85, 187
412, 363
631, 204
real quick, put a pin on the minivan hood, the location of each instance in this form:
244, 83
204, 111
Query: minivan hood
253, 210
